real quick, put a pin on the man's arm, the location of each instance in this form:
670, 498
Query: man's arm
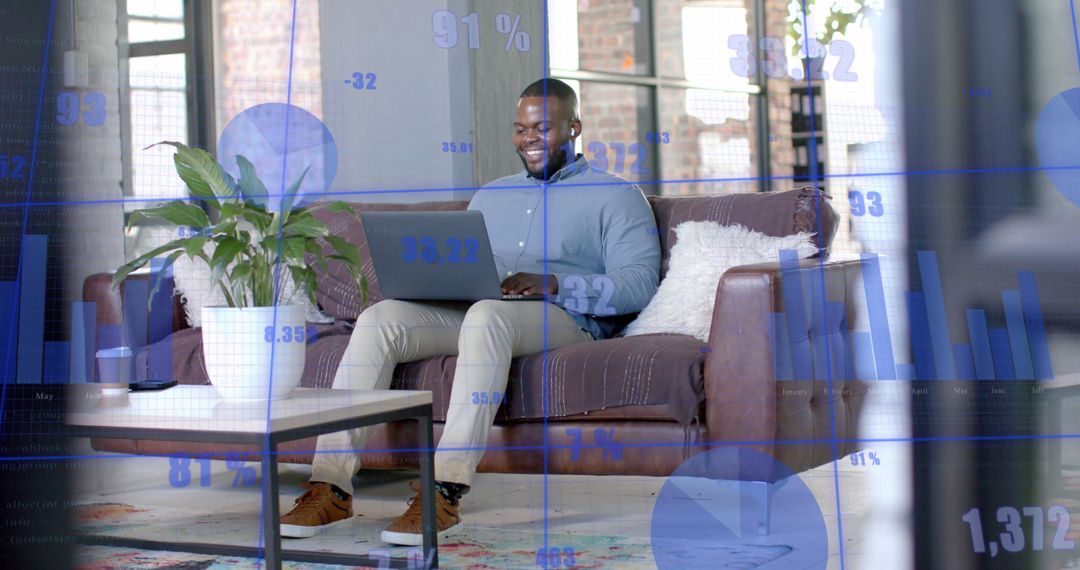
631, 253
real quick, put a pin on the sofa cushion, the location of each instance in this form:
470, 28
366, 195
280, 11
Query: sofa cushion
337, 292
598, 375
774, 214
684, 302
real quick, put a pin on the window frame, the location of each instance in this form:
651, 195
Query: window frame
656, 82
198, 50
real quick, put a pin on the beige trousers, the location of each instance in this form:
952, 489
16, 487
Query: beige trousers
484, 336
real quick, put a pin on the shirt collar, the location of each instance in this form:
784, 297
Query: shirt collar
578, 166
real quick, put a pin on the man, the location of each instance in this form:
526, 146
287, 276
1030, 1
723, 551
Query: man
603, 261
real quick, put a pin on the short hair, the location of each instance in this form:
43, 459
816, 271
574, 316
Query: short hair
548, 87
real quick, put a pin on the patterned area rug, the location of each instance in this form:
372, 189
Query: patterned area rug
475, 548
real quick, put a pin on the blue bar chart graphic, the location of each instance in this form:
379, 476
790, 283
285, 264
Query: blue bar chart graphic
146, 326
31, 309
802, 351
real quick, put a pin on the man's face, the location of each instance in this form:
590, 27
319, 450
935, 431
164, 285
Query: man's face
540, 134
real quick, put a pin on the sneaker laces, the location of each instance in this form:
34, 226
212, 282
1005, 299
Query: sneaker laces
416, 489
414, 511
308, 502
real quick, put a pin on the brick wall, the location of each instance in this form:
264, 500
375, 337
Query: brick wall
606, 32
252, 56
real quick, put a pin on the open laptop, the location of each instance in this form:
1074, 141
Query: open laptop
434, 256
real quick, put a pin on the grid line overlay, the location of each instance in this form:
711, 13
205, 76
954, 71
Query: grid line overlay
990, 350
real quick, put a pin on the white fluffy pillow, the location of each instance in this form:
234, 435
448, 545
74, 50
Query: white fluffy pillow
703, 251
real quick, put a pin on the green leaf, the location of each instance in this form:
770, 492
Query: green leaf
313, 248
194, 246
337, 207
357, 274
226, 251
293, 248
305, 277
348, 252
161, 274
240, 272
361, 282
275, 225
262, 288
124, 270
239, 291
290, 196
232, 214
311, 283
306, 225
297, 274
258, 218
230, 182
177, 212
251, 188
202, 174
231, 209
226, 227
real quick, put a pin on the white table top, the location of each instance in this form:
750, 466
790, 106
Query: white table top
1059, 381
200, 409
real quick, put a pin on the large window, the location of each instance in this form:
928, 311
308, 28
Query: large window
655, 76
164, 95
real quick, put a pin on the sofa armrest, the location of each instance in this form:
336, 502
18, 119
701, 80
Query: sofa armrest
98, 289
744, 398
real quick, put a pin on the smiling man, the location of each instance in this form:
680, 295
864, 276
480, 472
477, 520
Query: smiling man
585, 238
545, 123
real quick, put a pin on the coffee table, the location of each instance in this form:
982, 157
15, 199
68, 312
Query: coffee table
198, 414
1056, 391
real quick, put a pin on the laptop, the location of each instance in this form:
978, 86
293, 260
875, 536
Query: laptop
434, 256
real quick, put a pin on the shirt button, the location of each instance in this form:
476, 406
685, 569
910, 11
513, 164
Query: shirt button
509, 273
529, 211
521, 244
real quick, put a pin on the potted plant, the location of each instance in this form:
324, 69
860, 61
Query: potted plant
259, 245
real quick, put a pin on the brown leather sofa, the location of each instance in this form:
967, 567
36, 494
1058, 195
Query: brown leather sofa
663, 397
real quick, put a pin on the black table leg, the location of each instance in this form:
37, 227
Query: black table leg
427, 483
271, 511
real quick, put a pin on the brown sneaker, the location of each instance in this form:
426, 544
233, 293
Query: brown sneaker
408, 528
315, 511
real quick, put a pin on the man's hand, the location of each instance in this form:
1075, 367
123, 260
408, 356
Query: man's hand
530, 284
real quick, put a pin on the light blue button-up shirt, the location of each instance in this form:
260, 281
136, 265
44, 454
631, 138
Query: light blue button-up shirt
600, 236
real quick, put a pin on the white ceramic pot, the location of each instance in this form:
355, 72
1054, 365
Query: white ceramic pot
238, 342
